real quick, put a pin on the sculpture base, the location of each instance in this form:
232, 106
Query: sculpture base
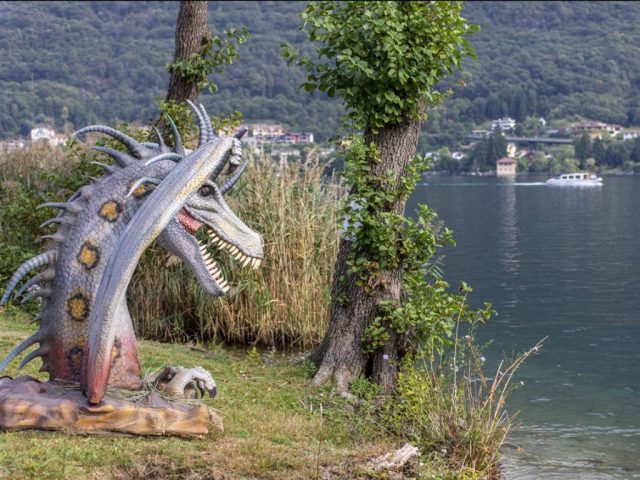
26, 403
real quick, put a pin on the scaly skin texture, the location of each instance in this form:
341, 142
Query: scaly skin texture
85, 333
88, 242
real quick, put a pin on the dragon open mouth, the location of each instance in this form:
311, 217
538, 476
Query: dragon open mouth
192, 225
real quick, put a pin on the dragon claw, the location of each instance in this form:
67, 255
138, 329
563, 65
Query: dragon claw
183, 382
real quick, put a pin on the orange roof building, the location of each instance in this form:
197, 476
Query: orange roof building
506, 166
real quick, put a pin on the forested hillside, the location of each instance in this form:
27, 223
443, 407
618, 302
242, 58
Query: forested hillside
102, 61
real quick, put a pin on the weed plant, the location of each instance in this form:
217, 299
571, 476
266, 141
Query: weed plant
449, 406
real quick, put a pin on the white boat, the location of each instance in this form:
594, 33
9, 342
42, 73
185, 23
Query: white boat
575, 180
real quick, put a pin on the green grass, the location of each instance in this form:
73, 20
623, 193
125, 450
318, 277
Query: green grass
274, 426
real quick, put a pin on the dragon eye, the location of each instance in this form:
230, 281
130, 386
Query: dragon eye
205, 190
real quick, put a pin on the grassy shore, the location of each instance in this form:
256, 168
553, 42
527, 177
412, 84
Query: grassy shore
275, 427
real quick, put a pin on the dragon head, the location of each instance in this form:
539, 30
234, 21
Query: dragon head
186, 198
207, 210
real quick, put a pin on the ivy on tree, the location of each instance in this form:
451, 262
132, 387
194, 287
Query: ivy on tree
385, 60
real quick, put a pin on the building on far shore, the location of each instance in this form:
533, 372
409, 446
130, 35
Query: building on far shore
47, 135
272, 134
506, 124
506, 166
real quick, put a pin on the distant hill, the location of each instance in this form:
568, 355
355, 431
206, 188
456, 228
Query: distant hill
86, 62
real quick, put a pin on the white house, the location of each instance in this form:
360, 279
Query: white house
630, 134
42, 133
506, 124
46, 134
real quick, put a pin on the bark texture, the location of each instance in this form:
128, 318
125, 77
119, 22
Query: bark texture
340, 355
192, 29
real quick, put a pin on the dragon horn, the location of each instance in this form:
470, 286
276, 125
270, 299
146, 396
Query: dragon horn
202, 124
160, 139
236, 176
144, 227
177, 139
210, 133
135, 147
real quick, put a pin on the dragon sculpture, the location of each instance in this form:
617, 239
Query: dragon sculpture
151, 192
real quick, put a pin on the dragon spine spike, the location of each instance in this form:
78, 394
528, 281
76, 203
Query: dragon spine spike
38, 261
107, 168
122, 159
56, 237
51, 221
202, 124
22, 346
45, 276
60, 205
236, 176
135, 147
177, 139
41, 292
151, 145
39, 352
75, 196
143, 180
240, 133
161, 144
164, 156
210, 133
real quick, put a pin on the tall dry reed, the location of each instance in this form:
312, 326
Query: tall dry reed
26, 165
285, 302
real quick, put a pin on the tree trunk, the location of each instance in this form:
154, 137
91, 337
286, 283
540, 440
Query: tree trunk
192, 29
340, 355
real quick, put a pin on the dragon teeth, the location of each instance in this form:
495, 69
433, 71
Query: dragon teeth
246, 261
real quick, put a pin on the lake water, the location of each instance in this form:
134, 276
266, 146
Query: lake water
565, 263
